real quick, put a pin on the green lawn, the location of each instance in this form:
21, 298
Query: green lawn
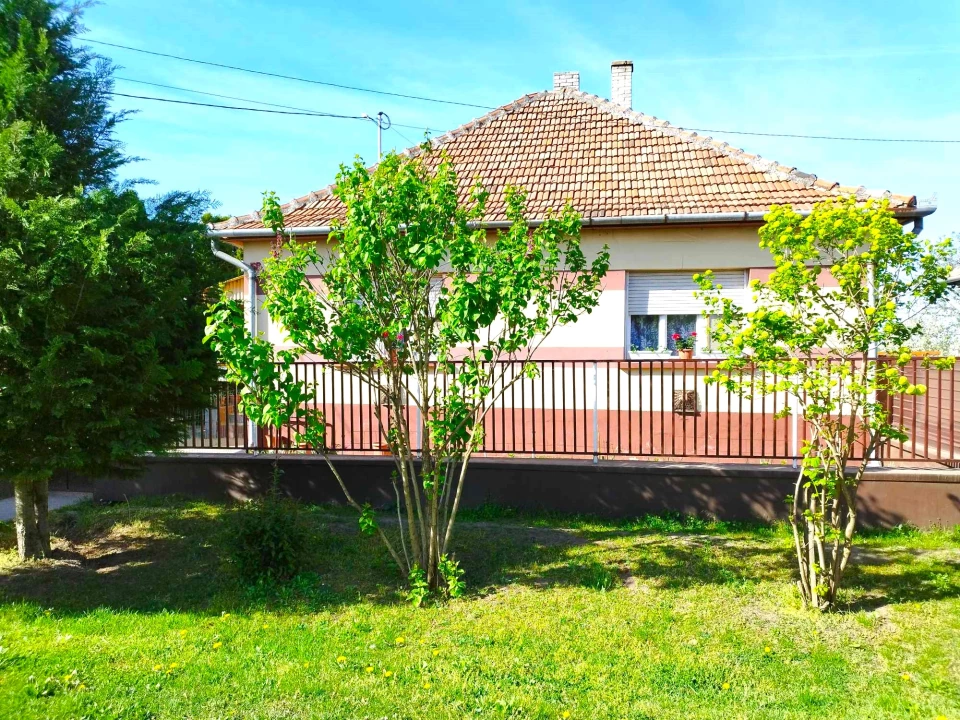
140, 616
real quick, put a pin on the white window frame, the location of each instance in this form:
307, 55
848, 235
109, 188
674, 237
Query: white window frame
702, 346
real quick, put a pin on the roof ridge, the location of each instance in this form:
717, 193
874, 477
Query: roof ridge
771, 168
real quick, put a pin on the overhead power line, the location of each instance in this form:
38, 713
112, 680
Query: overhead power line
287, 77
316, 113
246, 100
833, 138
822, 137
237, 107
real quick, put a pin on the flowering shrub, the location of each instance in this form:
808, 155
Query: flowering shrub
818, 344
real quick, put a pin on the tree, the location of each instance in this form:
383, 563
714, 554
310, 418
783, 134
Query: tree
101, 318
425, 307
101, 297
817, 344
59, 90
938, 326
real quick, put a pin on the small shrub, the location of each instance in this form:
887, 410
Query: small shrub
419, 589
267, 538
452, 576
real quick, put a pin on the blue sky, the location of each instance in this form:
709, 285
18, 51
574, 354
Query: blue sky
879, 69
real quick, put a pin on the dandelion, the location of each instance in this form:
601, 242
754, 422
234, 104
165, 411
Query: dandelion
266, 627
436, 652
400, 640
81, 686
157, 668
768, 649
905, 676
341, 659
565, 714
369, 668
388, 673
183, 633
67, 678
426, 685
306, 664
174, 666
217, 645
726, 686
224, 616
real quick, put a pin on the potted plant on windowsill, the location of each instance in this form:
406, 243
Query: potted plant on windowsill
684, 344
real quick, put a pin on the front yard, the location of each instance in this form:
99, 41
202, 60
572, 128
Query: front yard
140, 616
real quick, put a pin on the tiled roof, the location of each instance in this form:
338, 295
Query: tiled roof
609, 161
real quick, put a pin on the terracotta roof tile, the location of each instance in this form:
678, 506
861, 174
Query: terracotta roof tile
609, 161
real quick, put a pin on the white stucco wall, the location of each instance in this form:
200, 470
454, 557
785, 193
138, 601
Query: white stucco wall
603, 334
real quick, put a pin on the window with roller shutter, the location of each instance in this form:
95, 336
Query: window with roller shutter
660, 304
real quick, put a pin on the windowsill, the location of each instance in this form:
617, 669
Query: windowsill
669, 356
640, 355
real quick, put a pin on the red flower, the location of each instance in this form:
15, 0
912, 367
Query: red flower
386, 334
693, 334
676, 336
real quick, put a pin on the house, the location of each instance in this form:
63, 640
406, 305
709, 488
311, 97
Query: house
668, 202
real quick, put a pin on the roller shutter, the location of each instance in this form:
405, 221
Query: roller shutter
671, 293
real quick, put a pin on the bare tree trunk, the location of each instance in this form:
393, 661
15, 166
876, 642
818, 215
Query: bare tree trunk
41, 505
29, 542
800, 536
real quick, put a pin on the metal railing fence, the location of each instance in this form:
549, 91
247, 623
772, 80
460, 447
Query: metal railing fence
651, 408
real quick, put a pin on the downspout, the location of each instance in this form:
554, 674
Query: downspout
252, 430
251, 285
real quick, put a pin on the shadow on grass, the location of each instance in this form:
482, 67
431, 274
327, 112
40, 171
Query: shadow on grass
167, 555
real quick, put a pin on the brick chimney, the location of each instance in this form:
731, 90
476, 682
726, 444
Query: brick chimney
621, 83
566, 80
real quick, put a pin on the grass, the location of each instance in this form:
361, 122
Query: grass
140, 616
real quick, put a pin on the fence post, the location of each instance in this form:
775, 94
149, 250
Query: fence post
596, 426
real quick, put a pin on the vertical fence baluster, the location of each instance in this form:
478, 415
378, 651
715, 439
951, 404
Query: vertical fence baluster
596, 427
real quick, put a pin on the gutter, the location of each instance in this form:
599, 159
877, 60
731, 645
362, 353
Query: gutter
252, 430
915, 214
251, 284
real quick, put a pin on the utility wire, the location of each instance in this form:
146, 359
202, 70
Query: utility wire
451, 102
286, 77
412, 143
317, 113
821, 137
246, 100
235, 107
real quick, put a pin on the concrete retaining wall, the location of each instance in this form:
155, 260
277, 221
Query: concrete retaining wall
608, 489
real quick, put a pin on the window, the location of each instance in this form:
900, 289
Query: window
645, 333
654, 333
662, 304
682, 325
